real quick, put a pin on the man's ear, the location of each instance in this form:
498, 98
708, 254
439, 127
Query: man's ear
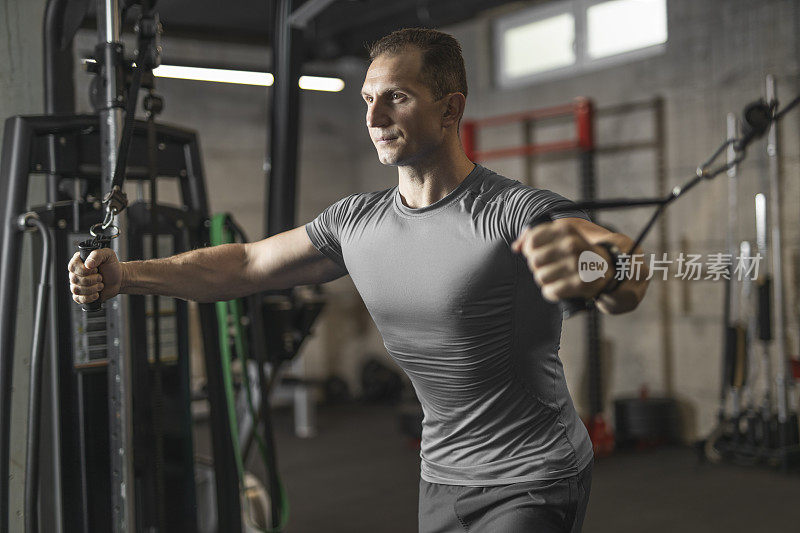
454, 109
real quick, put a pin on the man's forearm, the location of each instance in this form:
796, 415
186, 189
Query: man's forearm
204, 275
631, 290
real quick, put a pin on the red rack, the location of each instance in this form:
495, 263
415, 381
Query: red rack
581, 109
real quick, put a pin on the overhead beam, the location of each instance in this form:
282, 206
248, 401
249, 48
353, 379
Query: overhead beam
307, 12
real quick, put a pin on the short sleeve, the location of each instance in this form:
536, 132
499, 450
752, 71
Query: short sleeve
325, 231
524, 204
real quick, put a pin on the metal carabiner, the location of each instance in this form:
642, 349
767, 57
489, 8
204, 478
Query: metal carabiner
109, 218
101, 235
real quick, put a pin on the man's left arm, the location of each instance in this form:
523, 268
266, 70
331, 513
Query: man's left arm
552, 251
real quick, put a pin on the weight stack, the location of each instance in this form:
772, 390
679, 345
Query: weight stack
646, 422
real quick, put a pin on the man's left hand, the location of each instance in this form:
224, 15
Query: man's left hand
552, 250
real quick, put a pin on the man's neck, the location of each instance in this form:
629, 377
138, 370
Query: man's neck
424, 184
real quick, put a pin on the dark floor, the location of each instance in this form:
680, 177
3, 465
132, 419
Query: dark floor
360, 474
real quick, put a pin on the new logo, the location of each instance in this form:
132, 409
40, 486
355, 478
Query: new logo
591, 266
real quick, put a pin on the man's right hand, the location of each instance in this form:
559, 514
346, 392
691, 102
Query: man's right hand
99, 277
205, 275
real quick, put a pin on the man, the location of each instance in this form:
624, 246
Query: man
443, 262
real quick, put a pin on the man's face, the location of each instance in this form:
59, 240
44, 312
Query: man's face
403, 120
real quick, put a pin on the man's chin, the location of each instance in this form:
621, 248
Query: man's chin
391, 160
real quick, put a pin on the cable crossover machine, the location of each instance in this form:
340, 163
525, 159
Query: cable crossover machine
110, 443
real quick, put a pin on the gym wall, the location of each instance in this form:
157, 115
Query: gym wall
22, 92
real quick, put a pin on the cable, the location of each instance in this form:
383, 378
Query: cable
230, 328
34, 394
758, 116
788, 107
148, 57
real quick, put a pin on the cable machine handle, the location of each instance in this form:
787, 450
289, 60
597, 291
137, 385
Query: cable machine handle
101, 238
85, 248
569, 306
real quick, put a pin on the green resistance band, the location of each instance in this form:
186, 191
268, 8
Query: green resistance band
229, 322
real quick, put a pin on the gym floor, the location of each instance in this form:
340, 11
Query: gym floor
361, 475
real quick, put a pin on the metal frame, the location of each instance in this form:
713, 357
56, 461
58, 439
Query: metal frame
93, 404
284, 122
580, 109
110, 113
82, 394
783, 381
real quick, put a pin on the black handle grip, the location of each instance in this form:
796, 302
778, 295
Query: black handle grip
572, 306
86, 248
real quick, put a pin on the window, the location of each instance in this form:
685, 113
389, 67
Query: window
625, 25
572, 36
538, 46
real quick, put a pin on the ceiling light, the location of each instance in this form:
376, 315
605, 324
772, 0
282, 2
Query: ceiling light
241, 77
317, 83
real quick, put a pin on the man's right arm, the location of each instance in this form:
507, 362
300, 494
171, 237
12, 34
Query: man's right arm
211, 274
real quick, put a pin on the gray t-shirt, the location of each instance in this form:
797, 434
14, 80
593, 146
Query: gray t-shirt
463, 317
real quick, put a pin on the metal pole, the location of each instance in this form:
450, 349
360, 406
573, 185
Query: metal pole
584, 127
119, 366
284, 128
32, 455
781, 383
59, 86
157, 394
665, 307
731, 304
733, 202
55, 410
59, 97
765, 326
282, 182
14, 165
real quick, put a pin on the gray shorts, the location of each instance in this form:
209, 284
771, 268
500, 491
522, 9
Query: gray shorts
549, 506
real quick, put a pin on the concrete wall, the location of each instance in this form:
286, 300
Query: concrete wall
21, 92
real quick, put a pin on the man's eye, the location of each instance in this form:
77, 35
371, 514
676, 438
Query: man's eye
397, 96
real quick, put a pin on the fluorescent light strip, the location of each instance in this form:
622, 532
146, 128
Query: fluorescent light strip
316, 83
241, 77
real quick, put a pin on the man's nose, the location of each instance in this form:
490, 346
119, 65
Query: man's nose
377, 117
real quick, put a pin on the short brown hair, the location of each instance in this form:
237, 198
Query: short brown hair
442, 63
